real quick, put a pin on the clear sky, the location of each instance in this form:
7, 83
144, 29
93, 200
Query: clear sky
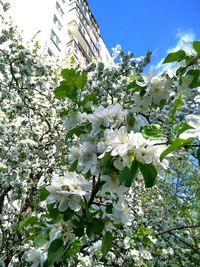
138, 25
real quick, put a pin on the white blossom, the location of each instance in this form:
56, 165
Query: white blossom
116, 141
121, 213
36, 257
68, 190
112, 117
85, 261
112, 185
87, 159
75, 119
193, 121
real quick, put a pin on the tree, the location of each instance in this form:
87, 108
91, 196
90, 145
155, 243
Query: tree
31, 134
118, 184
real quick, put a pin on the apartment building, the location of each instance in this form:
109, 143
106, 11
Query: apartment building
64, 28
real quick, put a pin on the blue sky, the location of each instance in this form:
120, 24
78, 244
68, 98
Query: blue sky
138, 25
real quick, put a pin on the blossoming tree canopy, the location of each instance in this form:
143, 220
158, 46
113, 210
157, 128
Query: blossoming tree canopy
112, 138
98, 151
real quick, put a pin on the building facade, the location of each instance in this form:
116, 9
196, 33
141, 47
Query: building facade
63, 28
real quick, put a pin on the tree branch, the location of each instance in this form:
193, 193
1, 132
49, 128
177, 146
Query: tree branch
178, 228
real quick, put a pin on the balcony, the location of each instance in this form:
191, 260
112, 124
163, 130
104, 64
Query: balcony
78, 31
75, 49
86, 19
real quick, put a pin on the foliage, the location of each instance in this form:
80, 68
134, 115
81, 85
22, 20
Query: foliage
118, 184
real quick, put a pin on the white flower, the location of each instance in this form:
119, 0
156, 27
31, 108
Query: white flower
120, 163
85, 261
71, 201
145, 254
75, 119
98, 119
112, 185
160, 89
73, 154
140, 121
68, 190
35, 257
112, 117
135, 254
87, 159
96, 245
147, 152
193, 121
61, 230
184, 87
116, 115
127, 242
55, 232
141, 104
116, 141
121, 213
157, 89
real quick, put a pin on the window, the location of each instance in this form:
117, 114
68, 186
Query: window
50, 52
83, 32
55, 39
59, 9
6, 6
81, 29
57, 22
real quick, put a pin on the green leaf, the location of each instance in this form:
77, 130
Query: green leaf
90, 98
149, 173
196, 78
95, 227
182, 128
181, 70
142, 92
106, 243
134, 168
196, 46
77, 131
79, 231
81, 81
43, 194
107, 164
174, 146
130, 120
64, 113
73, 166
152, 131
135, 87
68, 74
53, 212
177, 105
28, 221
109, 208
65, 91
75, 248
68, 214
198, 155
56, 250
127, 175
74, 78
37, 207
176, 56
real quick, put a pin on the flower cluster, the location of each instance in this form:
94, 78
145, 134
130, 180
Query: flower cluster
123, 132
68, 190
